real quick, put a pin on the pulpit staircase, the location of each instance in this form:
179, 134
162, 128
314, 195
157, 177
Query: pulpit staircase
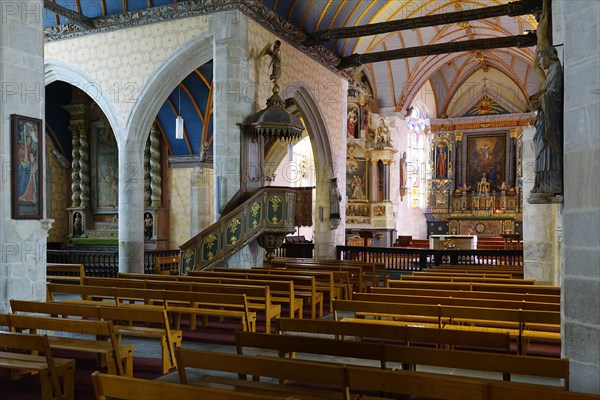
267, 216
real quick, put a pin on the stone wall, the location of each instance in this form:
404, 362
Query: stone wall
576, 25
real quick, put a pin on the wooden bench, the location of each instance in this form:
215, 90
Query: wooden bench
432, 385
119, 387
285, 370
462, 274
70, 273
111, 350
402, 334
50, 370
167, 265
305, 287
475, 286
468, 279
461, 318
375, 272
539, 298
175, 302
409, 357
122, 317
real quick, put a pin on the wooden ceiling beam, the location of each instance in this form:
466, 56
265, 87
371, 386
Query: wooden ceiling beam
73, 16
356, 60
513, 9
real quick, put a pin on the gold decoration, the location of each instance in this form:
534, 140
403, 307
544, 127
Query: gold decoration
233, 227
254, 211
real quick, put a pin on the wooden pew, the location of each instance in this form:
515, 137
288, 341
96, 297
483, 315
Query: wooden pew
462, 274
118, 387
538, 298
259, 297
454, 278
167, 265
175, 302
401, 334
467, 318
430, 385
475, 286
50, 370
122, 317
410, 357
457, 301
158, 277
111, 350
304, 286
285, 370
71, 273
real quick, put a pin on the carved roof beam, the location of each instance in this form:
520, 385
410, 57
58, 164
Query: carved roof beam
73, 16
513, 9
356, 60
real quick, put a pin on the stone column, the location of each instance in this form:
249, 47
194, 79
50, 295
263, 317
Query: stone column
147, 191
232, 104
155, 169
75, 179
201, 200
84, 167
131, 207
541, 239
22, 242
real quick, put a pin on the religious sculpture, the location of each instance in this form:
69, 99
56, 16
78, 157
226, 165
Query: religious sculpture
483, 186
548, 138
334, 200
275, 60
148, 226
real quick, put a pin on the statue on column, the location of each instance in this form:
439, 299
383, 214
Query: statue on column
275, 60
548, 138
334, 200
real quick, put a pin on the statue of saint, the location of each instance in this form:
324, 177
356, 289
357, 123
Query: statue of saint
148, 227
334, 200
548, 138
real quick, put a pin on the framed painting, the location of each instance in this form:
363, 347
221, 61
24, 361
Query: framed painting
105, 172
356, 180
486, 157
26, 166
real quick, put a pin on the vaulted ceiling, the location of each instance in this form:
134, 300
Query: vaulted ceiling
394, 83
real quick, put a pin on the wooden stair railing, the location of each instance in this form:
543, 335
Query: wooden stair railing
268, 215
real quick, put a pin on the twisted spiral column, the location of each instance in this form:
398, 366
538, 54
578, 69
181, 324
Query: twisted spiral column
84, 166
75, 177
147, 190
155, 169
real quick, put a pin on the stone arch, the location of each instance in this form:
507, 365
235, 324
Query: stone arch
55, 70
180, 64
319, 135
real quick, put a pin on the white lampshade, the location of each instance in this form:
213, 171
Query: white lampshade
290, 151
179, 127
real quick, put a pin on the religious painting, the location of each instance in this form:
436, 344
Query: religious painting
353, 121
105, 168
364, 120
486, 155
27, 161
356, 180
441, 161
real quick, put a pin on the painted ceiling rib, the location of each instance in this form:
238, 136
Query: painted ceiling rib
347, 21
340, 7
190, 96
373, 18
78, 5
305, 14
357, 21
73, 16
125, 9
291, 9
55, 141
103, 6
323, 14
516, 8
207, 114
165, 139
201, 76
